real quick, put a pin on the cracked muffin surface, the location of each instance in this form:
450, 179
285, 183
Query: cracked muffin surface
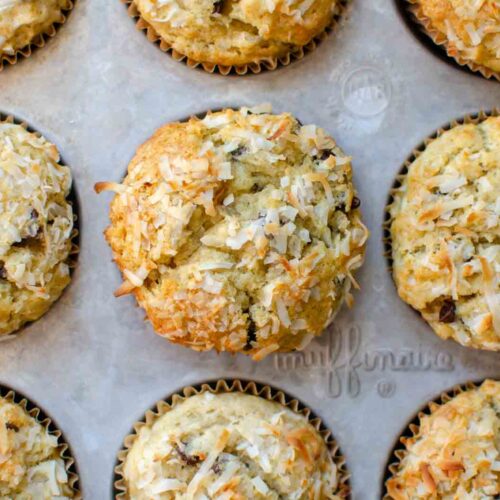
230, 445
31, 466
455, 453
238, 232
471, 28
445, 234
230, 32
22, 20
36, 222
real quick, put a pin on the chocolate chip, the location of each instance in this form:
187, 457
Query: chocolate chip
34, 214
251, 335
12, 427
447, 312
240, 150
3, 271
216, 467
218, 6
356, 203
188, 459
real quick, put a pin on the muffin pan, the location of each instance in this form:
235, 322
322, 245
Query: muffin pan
100, 91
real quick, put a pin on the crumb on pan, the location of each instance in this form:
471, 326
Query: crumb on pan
455, 453
37, 224
237, 232
230, 446
445, 234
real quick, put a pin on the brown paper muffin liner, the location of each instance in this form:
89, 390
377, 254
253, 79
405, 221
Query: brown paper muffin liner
269, 63
398, 182
45, 421
225, 386
410, 433
414, 9
39, 41
72, 199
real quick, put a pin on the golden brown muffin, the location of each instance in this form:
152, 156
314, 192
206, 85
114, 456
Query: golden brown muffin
31, 466
238, 232
234, 33
455, 453
230, 446
445, 235
470, 28
21, 21
37, 224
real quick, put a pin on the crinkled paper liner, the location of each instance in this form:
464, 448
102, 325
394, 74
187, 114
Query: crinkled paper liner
72, 199
398, 182
45, 421
269, 63
225, 386
411, 432
425, 24
39, 41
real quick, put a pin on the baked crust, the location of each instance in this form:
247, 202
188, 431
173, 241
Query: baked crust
37, 223
31, 465
471, 28
445, 234
237, 232
232, 33
456, 451
241, 445
21, 21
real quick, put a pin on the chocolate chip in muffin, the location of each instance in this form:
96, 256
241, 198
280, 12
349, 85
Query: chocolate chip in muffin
447, 312
218, 6
11, 427
187, 459
240, 150
3, 271
356, 203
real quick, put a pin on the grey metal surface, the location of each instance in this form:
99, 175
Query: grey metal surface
98, 90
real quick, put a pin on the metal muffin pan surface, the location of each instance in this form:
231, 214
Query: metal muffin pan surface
100, 89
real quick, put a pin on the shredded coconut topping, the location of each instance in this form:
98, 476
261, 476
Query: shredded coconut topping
239, 262
36, 222
230, 446
30, 462
446, 235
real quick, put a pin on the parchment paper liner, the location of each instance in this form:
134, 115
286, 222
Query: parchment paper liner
414, 8
39, 41
269, 63
43, 419
225, 386
410, 433
75, 235
473, 118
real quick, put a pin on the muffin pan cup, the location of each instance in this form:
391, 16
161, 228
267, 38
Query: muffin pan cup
75, 235
425, 24
39, 41
400, 450
225, 386
45, 421
255, 67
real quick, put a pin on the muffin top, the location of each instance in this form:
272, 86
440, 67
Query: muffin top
471, 28
22, 20
446, 234
238, 232
234, 444
36, 221
456, 452
229, 32
30, 462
